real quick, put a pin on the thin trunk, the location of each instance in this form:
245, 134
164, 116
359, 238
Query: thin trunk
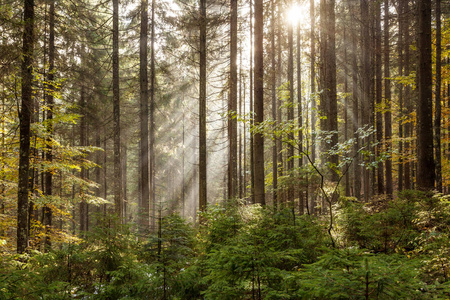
118, 201
378, 98
355, 111
152, 165
313, 81
290, 111
437, 117
144, 166
400, 94
387, 99
202, 109
300, 115
232, 109
252, 120
274, 108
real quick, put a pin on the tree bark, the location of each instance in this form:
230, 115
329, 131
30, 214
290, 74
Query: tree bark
232, 109
425, 159
25, 125
259, 104
144, 166
118, 201
202, 109
387, 99
378, 98
438, 109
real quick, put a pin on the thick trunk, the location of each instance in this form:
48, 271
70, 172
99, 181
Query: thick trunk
259, 104
24, 127
425, 159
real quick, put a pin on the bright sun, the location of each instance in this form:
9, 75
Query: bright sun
297, 14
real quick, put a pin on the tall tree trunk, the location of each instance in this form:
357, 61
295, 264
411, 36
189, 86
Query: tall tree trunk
437, 117
425, 160
83, 175
378, 97
290, 111
347, 174
387, 99
328, 79
232, 106
118, 202
406, 100
252, 120
400, 46
202, 109
152, 121
24, 127
50, 102
144, 166
313, 80
259, 104
300, 115
355, 110
274, 108
366, 78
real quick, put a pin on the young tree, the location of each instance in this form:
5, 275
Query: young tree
387, 99
438, 109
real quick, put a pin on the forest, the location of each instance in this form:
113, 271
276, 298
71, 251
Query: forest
225, 149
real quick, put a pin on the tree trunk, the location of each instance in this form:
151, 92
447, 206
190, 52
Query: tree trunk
118, 203
202, 109
425, 159
378, 98
300, 114
387, 99
50, 102
355, 111
313, 80
144, 166
437, 117
259, 104
24, 127
274, 108
232, 109
152, 121
290, 112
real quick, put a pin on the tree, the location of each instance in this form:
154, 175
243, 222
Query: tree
202, 108
232, 106
387, 99
25, 124
144, 155
259, 104
116, 114
425, 160
438, 109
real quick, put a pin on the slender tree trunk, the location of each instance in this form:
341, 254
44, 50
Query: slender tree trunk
83, 175
152, 164
259, 104
313, 80
437, 117
118, 201
400, 46
300, 114
144, 166
24, 127
425, 159
346, 121
407, 101
274, 108
387, 99
232, 109
252, 119
202, 109
355, 110
378, 97
50, 103
290, 111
